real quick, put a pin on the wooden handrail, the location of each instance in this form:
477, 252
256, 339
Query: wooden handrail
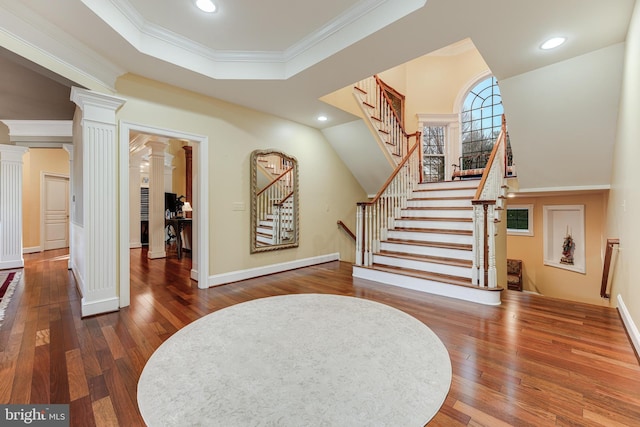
502, 137
275, 180
381, 86
281, 202
607, 265
346, 229
395, 172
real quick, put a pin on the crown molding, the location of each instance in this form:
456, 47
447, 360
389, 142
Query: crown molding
40, 133
33, 37
358, 22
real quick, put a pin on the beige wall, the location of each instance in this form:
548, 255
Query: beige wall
556, 282
36, 161
433, 82
624, 199
328, 191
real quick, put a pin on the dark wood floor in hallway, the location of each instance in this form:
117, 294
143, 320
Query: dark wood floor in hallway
533, 361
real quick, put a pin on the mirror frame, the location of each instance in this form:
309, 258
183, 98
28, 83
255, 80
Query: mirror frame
254, 184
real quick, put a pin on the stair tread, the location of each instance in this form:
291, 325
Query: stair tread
439, 208
442, 198
433, 230
428, 258
430, 218
443, 278
443, 188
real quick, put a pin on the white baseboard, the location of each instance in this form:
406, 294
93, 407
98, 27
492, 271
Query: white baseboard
90, 308
629, 324
234, 276
32, 250
16, 263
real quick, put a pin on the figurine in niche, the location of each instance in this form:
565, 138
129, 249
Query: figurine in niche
568, 247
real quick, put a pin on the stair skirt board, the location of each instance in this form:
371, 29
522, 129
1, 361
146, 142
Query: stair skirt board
476, 295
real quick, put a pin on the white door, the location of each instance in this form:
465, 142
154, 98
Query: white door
56, 212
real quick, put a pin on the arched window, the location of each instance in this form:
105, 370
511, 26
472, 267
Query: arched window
481, 121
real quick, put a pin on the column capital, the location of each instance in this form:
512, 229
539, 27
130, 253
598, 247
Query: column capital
156, 146
12, 153
96, 106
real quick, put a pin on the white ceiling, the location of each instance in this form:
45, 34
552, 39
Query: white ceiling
281, 56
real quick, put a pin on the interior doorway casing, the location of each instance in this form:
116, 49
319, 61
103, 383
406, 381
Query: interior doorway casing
200, 266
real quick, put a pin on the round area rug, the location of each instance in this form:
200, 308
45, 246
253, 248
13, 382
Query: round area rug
297, 360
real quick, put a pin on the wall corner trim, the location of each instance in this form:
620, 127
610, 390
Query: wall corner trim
631, 327
234, 276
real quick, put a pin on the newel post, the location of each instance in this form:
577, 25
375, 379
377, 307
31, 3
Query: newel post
359, 232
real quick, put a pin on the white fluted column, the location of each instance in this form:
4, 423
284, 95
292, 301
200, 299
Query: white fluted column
156, 199
11, 206
100, 200
168, 172
134, 200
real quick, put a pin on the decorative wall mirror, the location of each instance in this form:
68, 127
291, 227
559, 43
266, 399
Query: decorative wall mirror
274, 201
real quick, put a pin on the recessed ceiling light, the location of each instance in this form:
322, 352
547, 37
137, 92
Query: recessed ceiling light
553, 43
206, 6
322, 118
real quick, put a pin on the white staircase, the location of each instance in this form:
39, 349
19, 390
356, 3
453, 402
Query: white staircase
429, 247
267, 233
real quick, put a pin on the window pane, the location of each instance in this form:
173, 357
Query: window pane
518, 219
433, 140
481, 122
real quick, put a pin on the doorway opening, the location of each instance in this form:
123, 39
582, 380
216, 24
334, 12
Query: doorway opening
199, 243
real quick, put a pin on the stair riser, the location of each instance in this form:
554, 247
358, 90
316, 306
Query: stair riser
478, 295
426, 250
262, 230
429, 267
430, 237
432, 203
448, 185
436, 213
440, 225
470, 193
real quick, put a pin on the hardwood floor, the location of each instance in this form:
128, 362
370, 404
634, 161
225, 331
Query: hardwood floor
533, 361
